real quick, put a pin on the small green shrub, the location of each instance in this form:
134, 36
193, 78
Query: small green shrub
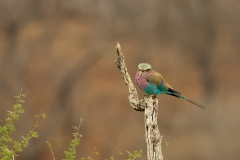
70, 154
9, 147
131, 156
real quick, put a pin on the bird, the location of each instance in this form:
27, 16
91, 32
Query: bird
153, 83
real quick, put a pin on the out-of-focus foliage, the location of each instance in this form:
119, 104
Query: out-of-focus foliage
10, 147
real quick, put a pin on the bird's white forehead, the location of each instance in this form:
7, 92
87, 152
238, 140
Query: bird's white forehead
144, 66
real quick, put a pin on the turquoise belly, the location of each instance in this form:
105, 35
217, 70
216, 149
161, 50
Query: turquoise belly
151, 89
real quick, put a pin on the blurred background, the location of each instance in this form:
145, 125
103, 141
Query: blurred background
62, 53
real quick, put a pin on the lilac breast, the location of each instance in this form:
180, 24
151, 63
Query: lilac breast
141, 81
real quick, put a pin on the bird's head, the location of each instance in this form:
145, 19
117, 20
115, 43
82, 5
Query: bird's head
143, 68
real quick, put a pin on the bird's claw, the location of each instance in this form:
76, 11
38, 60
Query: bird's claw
150, 95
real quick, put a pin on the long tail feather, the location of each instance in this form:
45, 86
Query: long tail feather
179, 95
198, 104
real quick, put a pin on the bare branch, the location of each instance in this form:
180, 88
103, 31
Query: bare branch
149, 104
133, 97
153, 137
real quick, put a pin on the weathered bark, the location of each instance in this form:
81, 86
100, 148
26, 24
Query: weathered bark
149, 104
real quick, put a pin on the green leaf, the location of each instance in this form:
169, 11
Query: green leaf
44, 115
20, 110
34, 134
120, 152
74, 127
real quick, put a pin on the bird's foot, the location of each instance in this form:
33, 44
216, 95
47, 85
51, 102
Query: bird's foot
150, 95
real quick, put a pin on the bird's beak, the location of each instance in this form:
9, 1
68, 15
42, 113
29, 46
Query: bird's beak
142, 72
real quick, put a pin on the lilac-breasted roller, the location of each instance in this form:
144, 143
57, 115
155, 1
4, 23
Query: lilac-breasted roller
153, 83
